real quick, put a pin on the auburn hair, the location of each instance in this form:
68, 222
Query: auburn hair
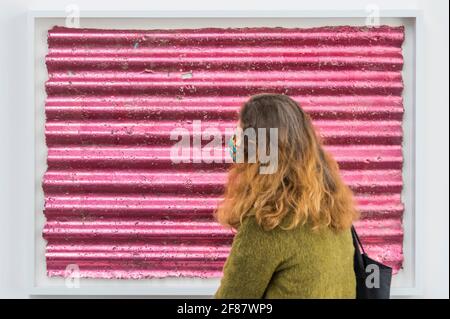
305, 189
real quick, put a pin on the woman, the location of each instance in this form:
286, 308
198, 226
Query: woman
293, 235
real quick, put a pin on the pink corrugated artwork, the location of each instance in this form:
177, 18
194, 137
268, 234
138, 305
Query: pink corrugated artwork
117, 206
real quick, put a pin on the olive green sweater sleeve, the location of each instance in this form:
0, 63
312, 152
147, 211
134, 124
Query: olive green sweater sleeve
253, 259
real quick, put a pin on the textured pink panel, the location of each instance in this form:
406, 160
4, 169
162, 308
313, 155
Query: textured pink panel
115, 203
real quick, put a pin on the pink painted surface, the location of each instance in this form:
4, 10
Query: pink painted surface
119, 208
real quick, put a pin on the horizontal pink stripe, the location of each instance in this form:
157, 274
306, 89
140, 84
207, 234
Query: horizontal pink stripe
160, 64
218, 101
348, 157
212, 36
194, 51
158, 132
97, 112
191, 182
237, 87
142, 207
129, 273
373, 231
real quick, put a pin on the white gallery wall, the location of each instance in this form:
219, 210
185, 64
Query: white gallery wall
14, 170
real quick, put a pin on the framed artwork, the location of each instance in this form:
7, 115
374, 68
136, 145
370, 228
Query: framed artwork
113, 213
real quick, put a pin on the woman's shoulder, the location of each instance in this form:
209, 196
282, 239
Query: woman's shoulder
251, 228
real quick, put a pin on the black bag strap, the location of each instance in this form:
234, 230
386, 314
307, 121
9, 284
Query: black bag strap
357, 240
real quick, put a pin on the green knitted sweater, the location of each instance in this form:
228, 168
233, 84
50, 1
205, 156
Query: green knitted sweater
297, 263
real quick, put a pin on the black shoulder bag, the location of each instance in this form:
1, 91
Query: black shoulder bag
373, 279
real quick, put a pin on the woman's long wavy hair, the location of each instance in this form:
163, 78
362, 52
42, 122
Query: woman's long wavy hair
305, 189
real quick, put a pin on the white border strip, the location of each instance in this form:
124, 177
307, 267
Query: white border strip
226, 14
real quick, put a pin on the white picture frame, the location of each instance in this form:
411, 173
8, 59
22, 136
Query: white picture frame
409, 280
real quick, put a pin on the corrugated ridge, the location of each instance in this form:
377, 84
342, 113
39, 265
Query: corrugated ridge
154, 206
222, 107
188, 182
182, 229
164, 85
79, 63
126, 132
132, 157
115, 203
344, 35
208, 51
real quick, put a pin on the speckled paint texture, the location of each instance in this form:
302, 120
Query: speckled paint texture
117, 206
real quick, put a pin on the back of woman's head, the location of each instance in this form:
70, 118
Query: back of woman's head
306, 187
